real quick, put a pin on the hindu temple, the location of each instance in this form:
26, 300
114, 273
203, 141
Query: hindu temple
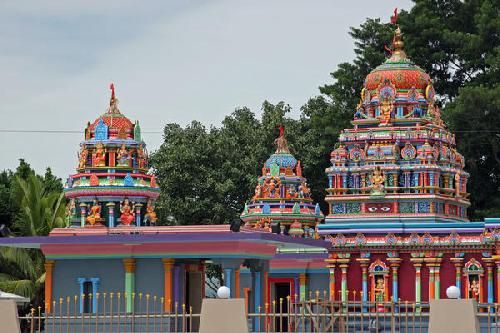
112, 185
396, 228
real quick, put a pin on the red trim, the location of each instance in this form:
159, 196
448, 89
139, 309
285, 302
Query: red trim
270, 281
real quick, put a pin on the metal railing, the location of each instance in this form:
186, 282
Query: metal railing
290, 314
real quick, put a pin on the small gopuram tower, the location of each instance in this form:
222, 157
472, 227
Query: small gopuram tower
282, 201
112, 186
399, 162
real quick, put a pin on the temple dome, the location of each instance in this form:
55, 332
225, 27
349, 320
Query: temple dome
285, 160
399, 70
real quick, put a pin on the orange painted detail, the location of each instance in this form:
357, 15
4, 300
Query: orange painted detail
168, 265
129, 265
237, 283
49, 269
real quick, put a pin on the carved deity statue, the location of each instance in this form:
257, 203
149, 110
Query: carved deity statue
379, 290
94, 213
141, 157
150, 216
82, 158
377, 179
123, 156
127, 215
280, 142
99, 156
70, 211
385, 112
474, 289
304, 191
258, 192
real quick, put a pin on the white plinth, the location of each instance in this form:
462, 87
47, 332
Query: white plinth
453, 316
223, 316
8, 316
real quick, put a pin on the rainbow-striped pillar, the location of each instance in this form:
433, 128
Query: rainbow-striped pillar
343, 282
111, 214
138, 214
83, 214
431, 282
395, 262
489, 272
418, 294
331, 283
303, 286
129, 265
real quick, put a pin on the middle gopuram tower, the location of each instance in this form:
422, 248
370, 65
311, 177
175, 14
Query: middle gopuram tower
398, 163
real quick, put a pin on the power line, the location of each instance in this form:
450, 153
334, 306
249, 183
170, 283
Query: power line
58, 131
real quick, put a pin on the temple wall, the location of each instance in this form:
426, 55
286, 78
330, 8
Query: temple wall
149, 276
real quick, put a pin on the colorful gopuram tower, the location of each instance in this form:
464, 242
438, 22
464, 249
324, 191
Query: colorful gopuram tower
282, 199
112, 186
398, 201
399, 162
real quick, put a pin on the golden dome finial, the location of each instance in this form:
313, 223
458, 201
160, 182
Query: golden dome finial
398, 53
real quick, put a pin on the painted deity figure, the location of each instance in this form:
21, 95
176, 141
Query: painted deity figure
273, 189
385, 113
150, 216
377, 179
280, 142
304, 191
94, 213
70, 211
141, 157
379, 290
292, 192
474, 289
123, 156
99, 156
258, 192
127, 215
82, 158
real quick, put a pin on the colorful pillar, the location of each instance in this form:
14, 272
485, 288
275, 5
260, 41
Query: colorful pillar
498, 280
363, 262
111, 214
431, 282
49, 270
418, 294
138, 214
343, 282
129, 265
394, 263
95, 289
457, 261
331, 282
228, 279
437, 283
303, 286
489, 272
237, 283
83, 214
168, 265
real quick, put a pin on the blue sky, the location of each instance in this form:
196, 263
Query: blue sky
171, 61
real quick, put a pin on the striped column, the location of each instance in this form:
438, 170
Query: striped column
237, 283
394, 263
303, 286
83, 214
343, 282
168, 265
138, 214
49, 270
437, 283
457, 262
418, 293
498, 280
489, 272
431, 282
331, 282
111, 214
129, 265
228, 279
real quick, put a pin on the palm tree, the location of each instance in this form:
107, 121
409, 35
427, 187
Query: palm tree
41, 210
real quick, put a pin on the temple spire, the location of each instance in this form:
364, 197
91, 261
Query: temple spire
113, 101
398, 53
281, 143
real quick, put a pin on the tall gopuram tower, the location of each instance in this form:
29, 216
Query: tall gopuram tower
399, 162
112, 186
282, 201
397, 198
